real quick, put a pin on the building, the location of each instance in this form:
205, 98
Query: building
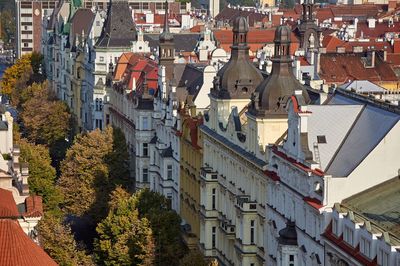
363, 229
31, 14
131, 107
190, 163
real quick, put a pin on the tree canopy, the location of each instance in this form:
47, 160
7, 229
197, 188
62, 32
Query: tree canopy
124, 238
58, 241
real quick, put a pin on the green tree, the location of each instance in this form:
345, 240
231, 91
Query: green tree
8, 24
41, 174
58, 241
36, 62
124, 238
118, 160
84, 174
165, 224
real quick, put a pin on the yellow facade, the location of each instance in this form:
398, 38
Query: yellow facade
191, 161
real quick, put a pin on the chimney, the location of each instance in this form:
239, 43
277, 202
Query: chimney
371, 23
373, 59
385, 55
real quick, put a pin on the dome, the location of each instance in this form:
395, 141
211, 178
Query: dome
240, 25
282, 34
238, 78
288, 235
166, 36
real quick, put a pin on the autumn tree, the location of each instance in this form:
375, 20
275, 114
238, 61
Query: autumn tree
13, 74
165, 224
42, 175
58, 241
46, 121
84, 174
124, 238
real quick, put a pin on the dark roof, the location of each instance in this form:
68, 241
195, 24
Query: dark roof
184, 42
3, 125
119, 29
229, 15
82, 21
192, 79
168, 152
288, 235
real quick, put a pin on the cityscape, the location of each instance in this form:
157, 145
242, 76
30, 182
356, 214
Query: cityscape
200, 133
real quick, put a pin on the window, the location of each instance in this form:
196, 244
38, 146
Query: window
335, 226
214, 192
252, 231
26, 44
101, 58
97, 23
214, 237
100, 105
107, 119
145, 175
145, 123
365, 247
169, 172
145, 149
291, 260
383, 258
348, 235
97, 105
321, 139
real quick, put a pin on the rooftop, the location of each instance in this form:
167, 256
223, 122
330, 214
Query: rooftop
379, 204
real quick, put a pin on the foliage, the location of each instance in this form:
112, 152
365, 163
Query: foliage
84, 174
94, 165
46, 121
58, 241
165, 224
193, 258
36, 62
7, 21
124, 238
41, 174
118, 160
14, 73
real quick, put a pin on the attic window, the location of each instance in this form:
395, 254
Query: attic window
321, 139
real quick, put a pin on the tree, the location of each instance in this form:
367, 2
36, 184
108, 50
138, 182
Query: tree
41, 174
124, 238
58, 241
84, 175
193, 258
118, 160
14, 73
165, 224
46, 121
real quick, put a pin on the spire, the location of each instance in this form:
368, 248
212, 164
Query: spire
166, 34
238, 78
273, 93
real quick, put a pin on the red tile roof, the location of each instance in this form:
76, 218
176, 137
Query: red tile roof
16, 248
340, 68
34, 206
378, 31
8, 207
256, 39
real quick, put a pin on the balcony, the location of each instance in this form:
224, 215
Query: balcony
245, 205
227, 227
208, 175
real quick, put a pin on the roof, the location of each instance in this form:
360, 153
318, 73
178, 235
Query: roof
8, 207
229, 15
183, 41
363, 86
340, 68
82, 22
119, 29
380, 204
192, 79
16, 248
362, 137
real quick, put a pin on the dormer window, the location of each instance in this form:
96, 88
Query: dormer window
348, 235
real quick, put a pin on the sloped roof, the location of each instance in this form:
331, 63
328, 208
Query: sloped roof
119, 29
183, 42
16, 248
363, 136
192, 79
363, 86
229, 15
82, 22
333, 122
8, 207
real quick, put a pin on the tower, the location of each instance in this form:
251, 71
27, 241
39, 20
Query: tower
167, 48
308, 30
288, 248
